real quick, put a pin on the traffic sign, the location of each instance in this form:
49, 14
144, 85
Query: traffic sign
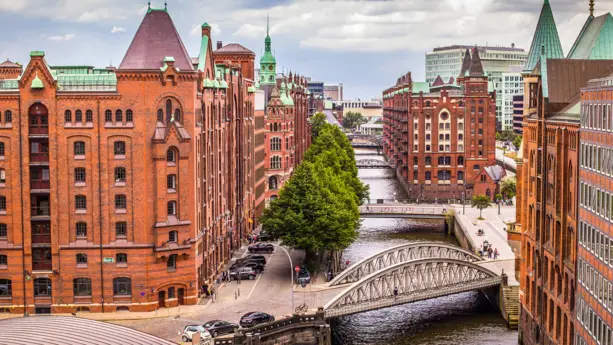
297, 268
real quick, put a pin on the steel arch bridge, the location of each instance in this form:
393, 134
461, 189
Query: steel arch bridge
372, 164
414, 280
399, 254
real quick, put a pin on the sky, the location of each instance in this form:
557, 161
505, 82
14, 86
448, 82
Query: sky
364, 44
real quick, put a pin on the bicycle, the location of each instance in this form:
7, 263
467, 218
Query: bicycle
303, 308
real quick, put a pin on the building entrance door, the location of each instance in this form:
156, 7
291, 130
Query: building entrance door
162, 299
180, 296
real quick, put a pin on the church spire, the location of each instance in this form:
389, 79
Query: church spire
268, 70
546, 34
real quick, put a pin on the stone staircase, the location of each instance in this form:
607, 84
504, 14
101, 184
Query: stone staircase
511, 305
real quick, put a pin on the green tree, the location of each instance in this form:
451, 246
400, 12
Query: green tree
517, 142
318, 121
352, 120
508, 186
480, 202
506, 135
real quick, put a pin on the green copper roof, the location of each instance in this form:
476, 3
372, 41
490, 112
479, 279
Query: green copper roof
87, 82
290, 100
206, 25
216, 84
208, 83
545, 38
37, 53
9, 84
223, 84
37, 83
204, 46
251, 89
169, 59
421, 86
544, 76
267, 57
595, 42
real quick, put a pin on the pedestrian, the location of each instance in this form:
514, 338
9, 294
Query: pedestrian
212, 292
249, 238
496, 253
395, 293
228, 275
205, 290
489, 252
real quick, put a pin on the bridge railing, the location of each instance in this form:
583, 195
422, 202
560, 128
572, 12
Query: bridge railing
417, 202
403, 209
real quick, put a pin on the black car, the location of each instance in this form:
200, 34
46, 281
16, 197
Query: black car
243, 273
255, 318
256, 258
220, 327
262, 247
259, 259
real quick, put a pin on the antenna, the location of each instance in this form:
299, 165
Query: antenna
149, 4
591, 8
165, 5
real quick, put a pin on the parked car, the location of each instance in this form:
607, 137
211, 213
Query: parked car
264, 237
256, 258
220, 327
188, 333
255, 318
259, 259
257, 267
261, 247
243, 273
303, 276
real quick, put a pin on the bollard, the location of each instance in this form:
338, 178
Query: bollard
235, 297
239, 292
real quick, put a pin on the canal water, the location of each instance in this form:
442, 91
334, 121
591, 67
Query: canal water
466, 318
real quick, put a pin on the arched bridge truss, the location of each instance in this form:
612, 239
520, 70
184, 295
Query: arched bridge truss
372, 164
399, 254
411, 281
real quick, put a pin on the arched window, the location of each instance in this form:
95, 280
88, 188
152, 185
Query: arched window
171, 181
89, 116
80, 202
81, 258
171, 156
160, 115
460, 147
275, 162
122, 286
42, 287
6, 288
444, 175
118, 115
272, 183
171, 292
82, 286
275, 144
121, 258
460, 160
121, 229
129, 115
78, 116
67, 116
108, 115
81, 229
460, 175
428, 175
119, 148
79, 175
168, 110
120, 174
172, 261
178, 115
120, 202
1, 149
8, 116
171, 207
79, 148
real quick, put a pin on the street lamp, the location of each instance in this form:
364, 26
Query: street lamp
463, 203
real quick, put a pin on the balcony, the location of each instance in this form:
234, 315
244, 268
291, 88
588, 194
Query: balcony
41, 233
39, 207
41, 259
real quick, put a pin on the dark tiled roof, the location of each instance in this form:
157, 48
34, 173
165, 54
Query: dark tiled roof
451, 80
155, 39
233, 48
438, 82
465, 63
9, 64
70, 330
566, 77
457, 46
476, 68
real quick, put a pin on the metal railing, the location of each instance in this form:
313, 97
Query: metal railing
40, 211
402, 209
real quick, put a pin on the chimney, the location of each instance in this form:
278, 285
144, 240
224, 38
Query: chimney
219, 44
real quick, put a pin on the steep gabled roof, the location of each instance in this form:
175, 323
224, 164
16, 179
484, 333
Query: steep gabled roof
476, 68
438, 82
155, 39
465, 63
595, 42
233, 48
546, 39
9, 64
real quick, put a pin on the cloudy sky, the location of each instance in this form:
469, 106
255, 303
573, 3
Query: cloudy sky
364, 44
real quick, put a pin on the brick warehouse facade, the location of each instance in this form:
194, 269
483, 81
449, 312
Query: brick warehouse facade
441, 137
114, 198
594, 300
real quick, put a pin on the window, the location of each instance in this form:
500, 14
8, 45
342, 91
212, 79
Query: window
272, 183
172, 262
461, 160
81, 229
483, 178
1, 149
3, 203
172, 208
120, 148
89, 116
2, 176
82, 286
118, 116
121, 229
80, 202
171, 292
3, 260
79, 174
120, 174
120, 202
122, 286
428, 175
67, 116
171, 156
275, 144
121, 258
171, 182
476, 167
129, 115
79, 148
173, 236
3, 231
42, 287
460, 175
8, 116
81, 258
78, 115
108, 115
178, 115
6, 288
275, 162
160, 115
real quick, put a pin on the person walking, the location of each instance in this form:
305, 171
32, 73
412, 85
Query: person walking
496, 253
489, 252
212, 291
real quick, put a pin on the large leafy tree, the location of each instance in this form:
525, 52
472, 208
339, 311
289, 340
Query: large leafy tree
481, 202
318, 121
517, 142
351, 120
508, 186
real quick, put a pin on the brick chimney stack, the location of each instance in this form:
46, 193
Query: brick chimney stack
219, 44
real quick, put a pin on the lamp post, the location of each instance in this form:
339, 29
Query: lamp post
463, 203
291, 265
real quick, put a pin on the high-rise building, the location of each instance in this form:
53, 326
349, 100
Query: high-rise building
333, 92
512, 85
441, 137
446, 62
126, 188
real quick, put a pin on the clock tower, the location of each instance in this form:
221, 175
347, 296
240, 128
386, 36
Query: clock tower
268, 64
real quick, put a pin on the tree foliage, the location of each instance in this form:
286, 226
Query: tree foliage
317, 122
506, 135
508, 186
352, 120
480, 202
517, 142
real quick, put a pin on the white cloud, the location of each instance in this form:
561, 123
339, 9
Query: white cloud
66, 37
117, 29
72, 10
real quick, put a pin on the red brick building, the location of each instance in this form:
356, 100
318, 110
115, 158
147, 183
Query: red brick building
124, 188
441, 137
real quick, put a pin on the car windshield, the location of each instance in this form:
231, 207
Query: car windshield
200, 329
209, 324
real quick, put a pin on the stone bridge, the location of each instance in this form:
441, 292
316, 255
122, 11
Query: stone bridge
403, 211
372, 164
